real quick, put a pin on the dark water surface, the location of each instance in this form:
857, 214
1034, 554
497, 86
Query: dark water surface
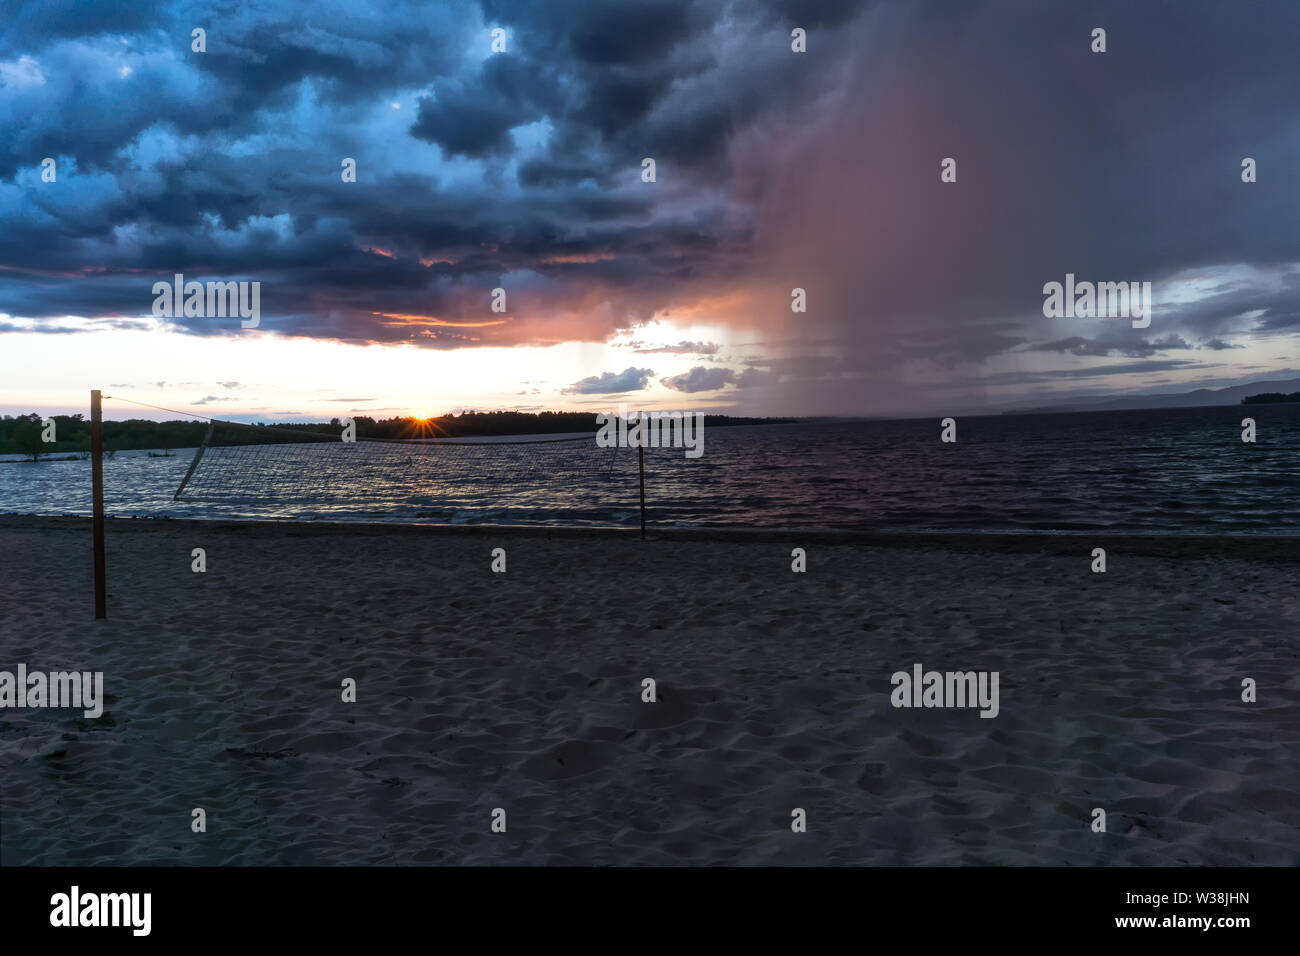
1165, 471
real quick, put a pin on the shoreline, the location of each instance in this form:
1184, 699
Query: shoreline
1250, 547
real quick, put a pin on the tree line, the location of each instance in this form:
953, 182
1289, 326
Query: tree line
24, 434
1265, 398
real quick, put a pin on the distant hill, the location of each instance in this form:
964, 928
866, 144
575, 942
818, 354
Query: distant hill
1198, 398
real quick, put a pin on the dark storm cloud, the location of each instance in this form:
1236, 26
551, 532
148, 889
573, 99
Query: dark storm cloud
700, 379
813, 13
752, 376
1219, 345
704, 379
1097, 371
28, 24
609, 383
604, 35
1118, 345
256, 60
521, 170
474, 117
162, 189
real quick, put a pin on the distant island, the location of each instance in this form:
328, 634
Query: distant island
21, 434
1266, 398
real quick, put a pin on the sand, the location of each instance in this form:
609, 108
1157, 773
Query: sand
523, 691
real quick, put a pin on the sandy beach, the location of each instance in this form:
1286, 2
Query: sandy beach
523, 691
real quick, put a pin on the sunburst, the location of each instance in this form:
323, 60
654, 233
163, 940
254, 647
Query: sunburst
422, 426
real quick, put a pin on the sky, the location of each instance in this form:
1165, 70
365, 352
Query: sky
501, 146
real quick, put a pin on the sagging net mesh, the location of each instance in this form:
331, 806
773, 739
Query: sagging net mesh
441, 479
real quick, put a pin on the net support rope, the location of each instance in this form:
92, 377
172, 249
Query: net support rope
198, 454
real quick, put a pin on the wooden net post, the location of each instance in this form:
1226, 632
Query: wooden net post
641, 456
97, 493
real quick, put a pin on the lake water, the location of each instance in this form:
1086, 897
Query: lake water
1165, 471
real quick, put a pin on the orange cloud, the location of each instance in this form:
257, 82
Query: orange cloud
580, 257
404, 319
